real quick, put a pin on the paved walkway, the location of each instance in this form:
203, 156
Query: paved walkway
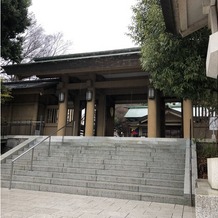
23, 203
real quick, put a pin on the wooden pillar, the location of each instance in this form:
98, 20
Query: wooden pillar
63, 106
154, 117
101, 111
110, 113
162, 117
76, 117
90, 112
35, 108
10, 112
187, 117
62, 114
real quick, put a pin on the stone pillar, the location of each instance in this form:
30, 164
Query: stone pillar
90, 112
101, 112
153, 117
187, 116
76, 116
62, 114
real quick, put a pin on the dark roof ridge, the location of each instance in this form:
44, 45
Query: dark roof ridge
32, 81
90, 54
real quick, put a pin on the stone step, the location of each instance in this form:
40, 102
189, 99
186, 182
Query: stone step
89, 160
136, 188
163, 176
120, 154
91, 157
144, 169
104, 141
100, 185
112, 150
38, 166
148, 157
7, 167
99, 163
165, 183
141, 175
161, 190
47, 171
81, 167
98, 192
106, 163
136, 169
101, 178
43, 177
112, 176
143, 181
114, 145
24, 170
123, 147
166, 164
147, 164
116, 154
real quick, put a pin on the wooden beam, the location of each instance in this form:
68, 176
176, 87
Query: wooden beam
76, 86
133, 83
122, 84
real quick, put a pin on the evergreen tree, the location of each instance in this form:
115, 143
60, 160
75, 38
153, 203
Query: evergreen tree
14, 21
177, 65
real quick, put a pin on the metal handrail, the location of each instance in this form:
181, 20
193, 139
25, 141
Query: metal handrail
32, 148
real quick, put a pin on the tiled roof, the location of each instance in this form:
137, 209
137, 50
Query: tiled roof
137, 112
30, 84
99, 54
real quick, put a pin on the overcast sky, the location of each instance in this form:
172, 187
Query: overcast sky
92, 25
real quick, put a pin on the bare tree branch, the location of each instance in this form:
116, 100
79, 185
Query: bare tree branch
37, 44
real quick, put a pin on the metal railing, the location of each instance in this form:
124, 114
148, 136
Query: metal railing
32, 149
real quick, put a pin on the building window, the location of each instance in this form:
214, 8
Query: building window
69, 115
52, 115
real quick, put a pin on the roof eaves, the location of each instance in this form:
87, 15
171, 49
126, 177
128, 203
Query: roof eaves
31, 84
88, 55
169, 16
93, 55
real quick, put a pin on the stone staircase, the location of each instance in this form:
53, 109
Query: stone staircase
128, 168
